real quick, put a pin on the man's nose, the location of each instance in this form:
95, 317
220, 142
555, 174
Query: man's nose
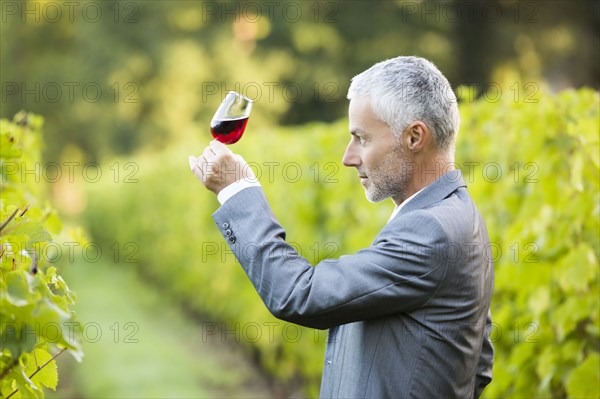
351, 157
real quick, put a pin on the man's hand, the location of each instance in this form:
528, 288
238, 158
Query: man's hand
218, 167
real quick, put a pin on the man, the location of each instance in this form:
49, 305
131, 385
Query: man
409, 315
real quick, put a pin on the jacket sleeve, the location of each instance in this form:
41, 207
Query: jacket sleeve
399, 272
486, 360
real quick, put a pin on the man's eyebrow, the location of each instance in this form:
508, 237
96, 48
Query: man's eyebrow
357, 131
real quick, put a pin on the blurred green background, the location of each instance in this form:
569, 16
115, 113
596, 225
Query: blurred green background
127, 90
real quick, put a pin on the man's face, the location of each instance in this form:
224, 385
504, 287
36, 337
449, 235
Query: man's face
376, 153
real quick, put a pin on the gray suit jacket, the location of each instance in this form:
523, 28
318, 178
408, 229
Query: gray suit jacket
408, 316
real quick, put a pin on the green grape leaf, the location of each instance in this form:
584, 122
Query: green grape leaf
578, 268
546, 363
539, 300
9, 147
53, 223
568, 314
26, 387
18, 292
51, 319
32, 230
17, 337
48, 375
577, 172
584, 381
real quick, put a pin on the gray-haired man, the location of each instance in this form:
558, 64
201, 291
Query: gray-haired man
408, 315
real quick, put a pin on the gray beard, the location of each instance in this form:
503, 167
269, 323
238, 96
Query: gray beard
390, 179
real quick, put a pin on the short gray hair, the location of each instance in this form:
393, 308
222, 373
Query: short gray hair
406, 89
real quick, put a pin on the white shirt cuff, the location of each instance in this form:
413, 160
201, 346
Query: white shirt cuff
235, 188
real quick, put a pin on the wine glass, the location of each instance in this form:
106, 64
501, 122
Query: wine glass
229, 122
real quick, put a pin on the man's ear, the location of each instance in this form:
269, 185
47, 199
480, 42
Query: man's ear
417, 136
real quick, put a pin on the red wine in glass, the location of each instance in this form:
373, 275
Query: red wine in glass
229, 122
228, 131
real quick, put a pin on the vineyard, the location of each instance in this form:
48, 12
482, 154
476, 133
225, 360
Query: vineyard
115, 281
531, 166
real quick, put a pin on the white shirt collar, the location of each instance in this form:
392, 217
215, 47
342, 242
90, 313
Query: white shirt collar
398, 207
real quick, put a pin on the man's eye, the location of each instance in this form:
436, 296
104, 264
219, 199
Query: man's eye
361, 140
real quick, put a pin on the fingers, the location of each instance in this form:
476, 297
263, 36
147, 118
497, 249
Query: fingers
198, 167
218, 148
208, 153
217, 167
195, 163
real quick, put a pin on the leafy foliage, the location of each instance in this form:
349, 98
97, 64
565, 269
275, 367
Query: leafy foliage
35, 315
532, 167
543, 214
